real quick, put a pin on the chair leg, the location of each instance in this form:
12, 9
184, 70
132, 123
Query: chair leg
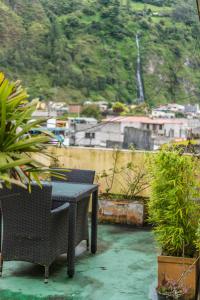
1, 265
71, 262
71, 240
70, 273
88, 244
46, 274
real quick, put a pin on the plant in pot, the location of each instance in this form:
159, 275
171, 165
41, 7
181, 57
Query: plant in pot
175, 215
171, 290
20, 151
127, 206
198, 237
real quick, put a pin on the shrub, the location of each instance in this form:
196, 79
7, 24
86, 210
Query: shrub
119, 107
198, 237
172, 208
91, 111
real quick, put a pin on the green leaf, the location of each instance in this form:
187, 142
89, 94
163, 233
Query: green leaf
26, 144
14, 164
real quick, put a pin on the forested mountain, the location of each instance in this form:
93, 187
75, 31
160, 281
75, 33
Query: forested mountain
74, 50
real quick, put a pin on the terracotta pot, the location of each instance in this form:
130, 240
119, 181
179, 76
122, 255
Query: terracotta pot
121, 212
171, 268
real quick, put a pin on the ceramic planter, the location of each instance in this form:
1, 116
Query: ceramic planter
171, 268
121, 212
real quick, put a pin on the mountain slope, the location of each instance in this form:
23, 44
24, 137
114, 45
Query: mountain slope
75, 50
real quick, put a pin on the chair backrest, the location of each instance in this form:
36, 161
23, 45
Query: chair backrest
26, 214
75, 175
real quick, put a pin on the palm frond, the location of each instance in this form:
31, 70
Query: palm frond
17, 144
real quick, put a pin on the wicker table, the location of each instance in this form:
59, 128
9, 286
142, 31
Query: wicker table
73, 193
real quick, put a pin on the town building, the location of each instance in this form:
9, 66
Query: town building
192, 109
75, 109
102, 105
111, 132
42, 114
83, 131
158, 113
173, 110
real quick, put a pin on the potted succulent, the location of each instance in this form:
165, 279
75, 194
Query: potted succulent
128, 206
175, 215
19, 160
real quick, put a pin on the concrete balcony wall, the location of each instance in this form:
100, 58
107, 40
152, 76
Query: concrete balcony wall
98, 160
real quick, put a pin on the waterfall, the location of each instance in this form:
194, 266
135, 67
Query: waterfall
139, 76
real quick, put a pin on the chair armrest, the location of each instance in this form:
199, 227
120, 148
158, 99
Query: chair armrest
59, 224
61, 208
9, 196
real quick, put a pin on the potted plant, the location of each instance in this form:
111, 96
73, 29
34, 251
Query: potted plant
175, 215
169, 290
198, 237
128, 206
19, 149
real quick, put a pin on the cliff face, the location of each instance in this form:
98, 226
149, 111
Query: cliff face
76, 50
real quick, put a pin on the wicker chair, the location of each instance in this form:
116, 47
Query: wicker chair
78, 176
33, 232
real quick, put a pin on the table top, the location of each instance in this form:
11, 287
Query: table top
71, 191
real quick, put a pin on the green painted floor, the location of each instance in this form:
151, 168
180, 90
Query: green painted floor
123, 269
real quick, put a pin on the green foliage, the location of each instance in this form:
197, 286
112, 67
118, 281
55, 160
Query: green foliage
198, 237
184, 12
72, 50
119, 108
172, 289
172, 208
18, 164
142, 109
91, 111
157, 2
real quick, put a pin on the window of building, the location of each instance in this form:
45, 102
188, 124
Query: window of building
90, 135
148, 126
160, 127
172, 133
154, 126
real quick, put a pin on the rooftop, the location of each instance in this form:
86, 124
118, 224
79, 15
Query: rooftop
146, 120
124, 268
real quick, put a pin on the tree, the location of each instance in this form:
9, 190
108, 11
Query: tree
185, 12
141, 109
91, 111
119, 107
